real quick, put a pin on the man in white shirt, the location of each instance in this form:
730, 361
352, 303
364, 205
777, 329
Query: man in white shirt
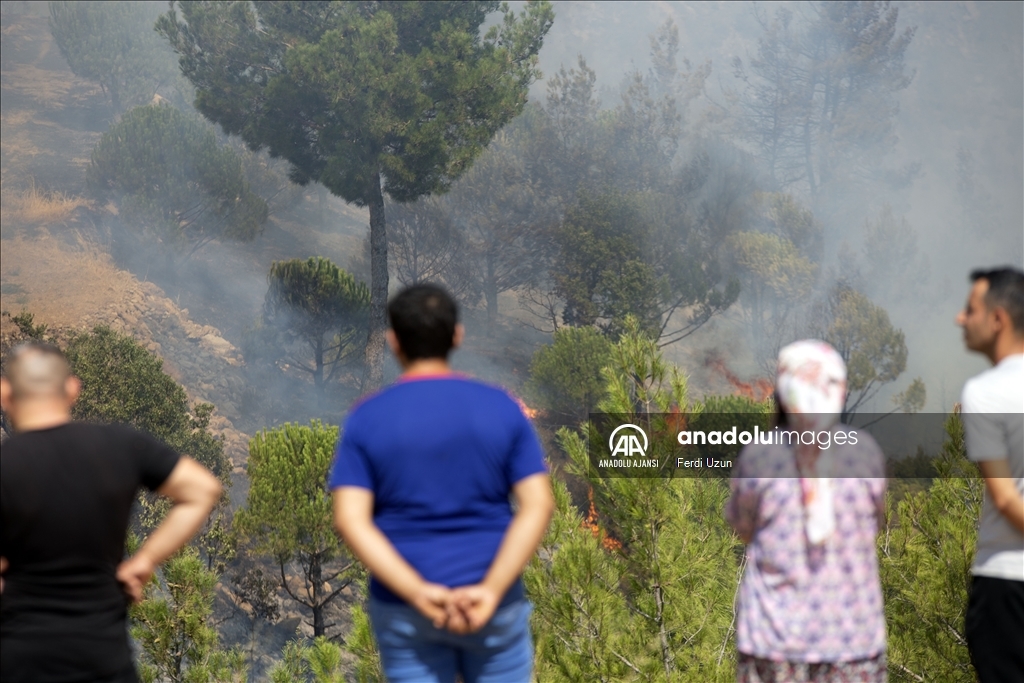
993, 412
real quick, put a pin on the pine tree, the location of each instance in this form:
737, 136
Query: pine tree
113, 43
173, 627
287, 515
820, 99
637, 254
315, 309
368, 99
649, 596
778, 267
926, 555
575, 141
565, 375
362, 643
582, 622
875, 351
425, 245
504, 211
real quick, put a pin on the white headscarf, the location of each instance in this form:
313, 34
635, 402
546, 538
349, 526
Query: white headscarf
811, 387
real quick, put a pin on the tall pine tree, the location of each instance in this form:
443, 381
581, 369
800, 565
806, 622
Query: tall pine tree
366, 98
819, 102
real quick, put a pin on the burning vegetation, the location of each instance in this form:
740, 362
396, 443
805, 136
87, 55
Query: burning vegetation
592, 523
758, 389
530, 413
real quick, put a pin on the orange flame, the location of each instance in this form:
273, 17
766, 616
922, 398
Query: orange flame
758, 389
676, 419
591, 523
529, 412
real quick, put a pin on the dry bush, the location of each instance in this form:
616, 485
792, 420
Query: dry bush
33, 206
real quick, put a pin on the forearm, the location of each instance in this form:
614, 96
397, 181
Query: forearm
521, 540
375, 551
1011, 506
1002, 490
178, 527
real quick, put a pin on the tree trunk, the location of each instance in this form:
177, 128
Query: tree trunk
374, 372
318, 371
316, 577
809, 161
666, 657
115, 100
252, 643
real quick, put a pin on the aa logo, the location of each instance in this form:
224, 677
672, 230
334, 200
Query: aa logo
627, 444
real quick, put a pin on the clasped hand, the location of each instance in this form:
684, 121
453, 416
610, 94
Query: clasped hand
466, 609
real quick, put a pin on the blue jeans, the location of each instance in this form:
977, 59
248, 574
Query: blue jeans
413, 651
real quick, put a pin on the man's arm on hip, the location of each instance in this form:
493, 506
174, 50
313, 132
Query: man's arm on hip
1002, 489
194, 491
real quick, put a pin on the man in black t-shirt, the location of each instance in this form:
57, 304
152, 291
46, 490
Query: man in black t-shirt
66, 491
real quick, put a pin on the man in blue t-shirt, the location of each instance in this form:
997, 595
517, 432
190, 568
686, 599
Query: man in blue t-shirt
422, 483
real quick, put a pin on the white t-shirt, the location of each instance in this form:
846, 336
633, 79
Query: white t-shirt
993, 411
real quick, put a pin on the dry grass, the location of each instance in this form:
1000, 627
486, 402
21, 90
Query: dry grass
17, 118
17, 149
64, 284
33, 206
48, 89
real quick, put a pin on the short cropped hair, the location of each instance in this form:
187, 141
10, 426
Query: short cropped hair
36, 368
423, 317
1006, 290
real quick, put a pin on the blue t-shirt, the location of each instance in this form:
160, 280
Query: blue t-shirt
440, 455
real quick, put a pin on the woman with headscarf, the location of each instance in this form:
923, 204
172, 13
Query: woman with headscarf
809, 608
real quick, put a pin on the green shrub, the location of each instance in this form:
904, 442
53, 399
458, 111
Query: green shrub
24, 321
175, 629
168, 174
316, 661
122, 382
926, 555
114, 44
565, 375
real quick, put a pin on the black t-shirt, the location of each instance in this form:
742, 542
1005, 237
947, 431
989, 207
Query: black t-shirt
66, 495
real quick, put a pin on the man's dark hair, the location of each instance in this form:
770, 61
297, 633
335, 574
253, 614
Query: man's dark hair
1005, 289
423, 317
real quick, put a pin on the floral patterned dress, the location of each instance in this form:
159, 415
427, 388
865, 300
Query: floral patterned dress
809, 612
